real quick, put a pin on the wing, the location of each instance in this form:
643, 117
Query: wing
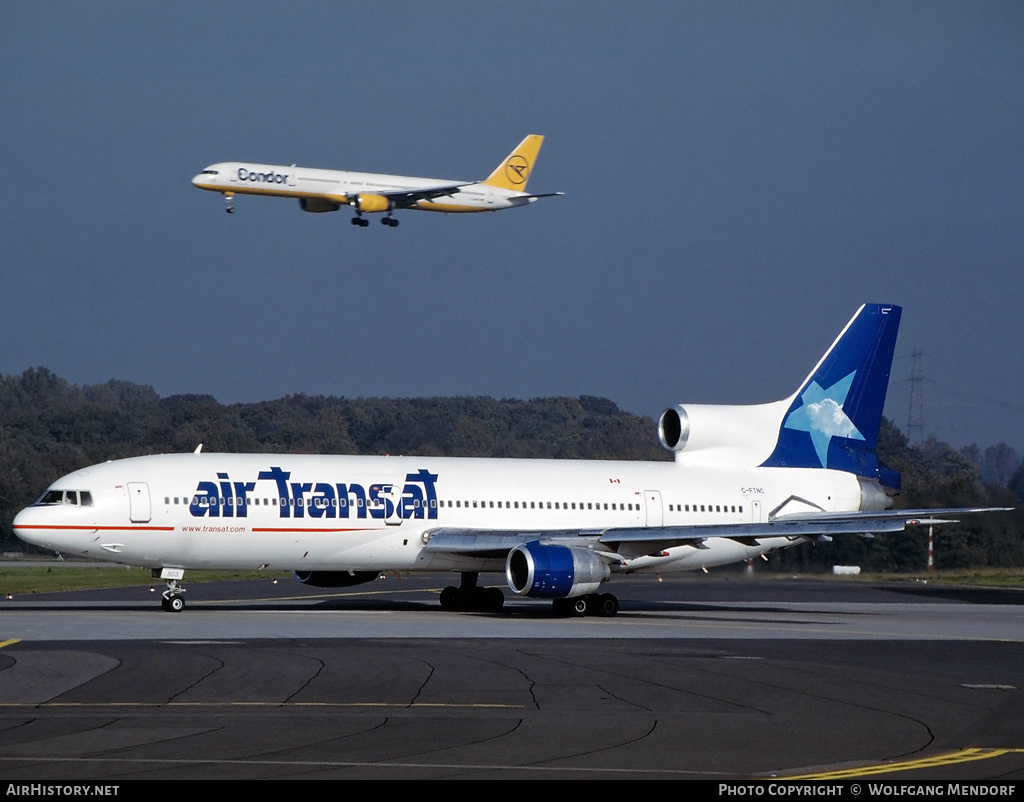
404, 198
810, 526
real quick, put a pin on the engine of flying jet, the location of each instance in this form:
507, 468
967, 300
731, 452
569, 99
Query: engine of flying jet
363, 202
317, 205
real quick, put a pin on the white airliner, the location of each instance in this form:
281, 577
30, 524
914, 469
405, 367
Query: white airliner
746, 481
329, 190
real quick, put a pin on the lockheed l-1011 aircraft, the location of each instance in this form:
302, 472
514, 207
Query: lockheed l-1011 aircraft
746, 481
329, 190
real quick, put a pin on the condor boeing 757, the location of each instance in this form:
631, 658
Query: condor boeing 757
746, 481
329, 190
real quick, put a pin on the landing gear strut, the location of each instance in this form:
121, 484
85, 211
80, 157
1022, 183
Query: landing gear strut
471, 598
227, 199
173, 599
603, 604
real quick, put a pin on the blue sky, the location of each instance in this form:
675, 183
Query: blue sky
739, 178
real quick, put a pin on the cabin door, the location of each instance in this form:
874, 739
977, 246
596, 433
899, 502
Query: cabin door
138, 500
655, 515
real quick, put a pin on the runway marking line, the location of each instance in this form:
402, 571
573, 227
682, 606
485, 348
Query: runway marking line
9, 642
950, 758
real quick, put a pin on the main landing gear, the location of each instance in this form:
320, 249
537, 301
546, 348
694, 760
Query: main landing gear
391, 222
603, 604
227, 200
469, 597
173, 599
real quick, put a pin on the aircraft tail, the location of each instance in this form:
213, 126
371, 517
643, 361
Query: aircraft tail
833, 419
514, 171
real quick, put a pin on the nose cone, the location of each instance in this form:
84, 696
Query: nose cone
26, 526
199, 179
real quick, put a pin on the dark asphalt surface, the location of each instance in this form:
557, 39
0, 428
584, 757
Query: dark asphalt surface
469, 705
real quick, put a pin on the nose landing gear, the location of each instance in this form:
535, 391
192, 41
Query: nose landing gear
173, 599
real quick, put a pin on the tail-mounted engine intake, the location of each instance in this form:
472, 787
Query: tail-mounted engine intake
317, 205
554, 572
721, 434
371, 203
335, 579
674, 428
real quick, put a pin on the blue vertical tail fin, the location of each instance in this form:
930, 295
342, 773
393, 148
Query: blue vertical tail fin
834, 417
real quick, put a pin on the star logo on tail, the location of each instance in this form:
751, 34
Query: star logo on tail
822, 416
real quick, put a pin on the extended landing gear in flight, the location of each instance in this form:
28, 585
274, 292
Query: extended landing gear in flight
360, 221
227, 199
603, 604
469, 597
173, 599
389, 221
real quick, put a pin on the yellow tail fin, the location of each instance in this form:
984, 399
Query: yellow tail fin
515, 170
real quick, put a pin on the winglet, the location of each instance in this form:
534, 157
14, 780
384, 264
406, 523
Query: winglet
834, 418
514, 171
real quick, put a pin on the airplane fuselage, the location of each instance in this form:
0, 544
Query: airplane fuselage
336, 188
331, 513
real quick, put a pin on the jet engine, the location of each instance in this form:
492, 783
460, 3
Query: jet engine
554, 572
371, 203
738, 435
317, 205
335, 579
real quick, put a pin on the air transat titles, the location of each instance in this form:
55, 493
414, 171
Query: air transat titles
227, 498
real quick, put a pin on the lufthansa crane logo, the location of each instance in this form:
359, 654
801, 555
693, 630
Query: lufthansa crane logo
517, 169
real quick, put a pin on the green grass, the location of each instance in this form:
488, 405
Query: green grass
975, 577
21, 580
30, 577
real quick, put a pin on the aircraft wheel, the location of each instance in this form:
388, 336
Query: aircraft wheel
607, 604
356, 221
364, 222
175, 604
165, 605
494, 600
581, 606
450, 598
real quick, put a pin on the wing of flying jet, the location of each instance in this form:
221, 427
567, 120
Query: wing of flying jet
810, 526
405, 198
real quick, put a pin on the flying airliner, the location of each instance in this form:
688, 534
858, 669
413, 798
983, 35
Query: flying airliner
745, 481
329, 190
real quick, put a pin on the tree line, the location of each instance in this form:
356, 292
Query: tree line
49, 427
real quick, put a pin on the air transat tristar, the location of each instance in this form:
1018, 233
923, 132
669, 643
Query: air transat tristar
746, 481
329, 190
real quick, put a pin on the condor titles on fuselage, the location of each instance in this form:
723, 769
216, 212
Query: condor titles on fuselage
745, 481
368, 193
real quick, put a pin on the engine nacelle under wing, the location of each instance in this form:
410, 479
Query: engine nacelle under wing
364, 202
554, 572
335, 579
317, 205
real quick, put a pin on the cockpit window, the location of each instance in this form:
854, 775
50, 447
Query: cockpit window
78, 498
209, 172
